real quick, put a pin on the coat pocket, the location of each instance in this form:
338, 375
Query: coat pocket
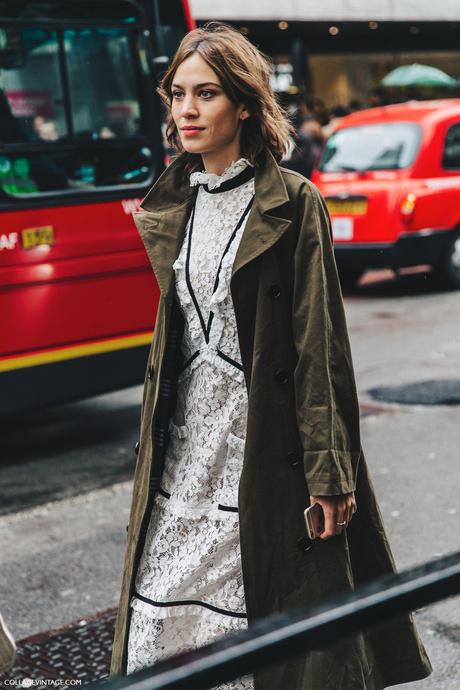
228, 495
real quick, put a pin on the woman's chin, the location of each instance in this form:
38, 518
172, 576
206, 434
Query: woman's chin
192, 147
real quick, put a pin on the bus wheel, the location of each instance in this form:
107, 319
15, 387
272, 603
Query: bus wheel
349, 277
448, 268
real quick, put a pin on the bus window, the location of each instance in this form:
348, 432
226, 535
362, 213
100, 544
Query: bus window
31, 98
103, 87
71, 111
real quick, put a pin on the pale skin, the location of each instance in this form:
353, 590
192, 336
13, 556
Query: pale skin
198, 100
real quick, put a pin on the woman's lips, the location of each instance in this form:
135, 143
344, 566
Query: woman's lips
192, 132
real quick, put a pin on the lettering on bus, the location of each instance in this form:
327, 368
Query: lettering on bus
8, 241
131, 205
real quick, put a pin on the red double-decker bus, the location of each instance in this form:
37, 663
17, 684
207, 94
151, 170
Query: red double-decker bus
80, 144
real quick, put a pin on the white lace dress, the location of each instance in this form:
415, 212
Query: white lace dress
189, 588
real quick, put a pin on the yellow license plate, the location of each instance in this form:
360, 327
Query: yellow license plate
347, 207
33, 237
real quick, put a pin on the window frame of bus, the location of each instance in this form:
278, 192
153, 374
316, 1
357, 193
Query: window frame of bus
150, 113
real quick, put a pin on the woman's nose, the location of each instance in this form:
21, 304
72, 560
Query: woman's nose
189, 108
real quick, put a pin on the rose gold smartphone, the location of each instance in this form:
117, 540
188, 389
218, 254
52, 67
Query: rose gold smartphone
314, 520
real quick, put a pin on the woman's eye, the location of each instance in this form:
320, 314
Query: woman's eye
204, 91
176, 94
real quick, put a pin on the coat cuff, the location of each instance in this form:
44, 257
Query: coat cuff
331, 472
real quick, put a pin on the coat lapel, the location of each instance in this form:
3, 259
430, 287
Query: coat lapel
162, 223
167, 206
162, 235
263, 228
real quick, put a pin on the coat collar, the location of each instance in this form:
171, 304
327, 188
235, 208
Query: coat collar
167, 206
173, 188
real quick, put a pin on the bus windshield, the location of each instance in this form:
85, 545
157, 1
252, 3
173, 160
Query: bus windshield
71, 112
382, 146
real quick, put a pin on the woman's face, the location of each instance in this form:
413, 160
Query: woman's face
206, 119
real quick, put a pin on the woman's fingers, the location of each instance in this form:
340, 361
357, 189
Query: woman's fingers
341, 517
338, 512
329, 521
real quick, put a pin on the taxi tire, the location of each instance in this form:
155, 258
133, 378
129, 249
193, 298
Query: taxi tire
448, 268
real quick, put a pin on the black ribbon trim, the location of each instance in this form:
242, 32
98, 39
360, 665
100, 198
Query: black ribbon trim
189, 602
228, 509
207, 328
164, 493
190, 360
242, 177
187, 274
230, 360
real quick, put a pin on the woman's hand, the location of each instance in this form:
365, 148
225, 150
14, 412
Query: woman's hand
338, 511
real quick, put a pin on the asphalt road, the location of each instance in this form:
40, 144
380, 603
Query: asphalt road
65, 484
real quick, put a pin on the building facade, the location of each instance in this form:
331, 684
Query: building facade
340, 50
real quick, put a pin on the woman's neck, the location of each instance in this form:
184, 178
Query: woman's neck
218, 162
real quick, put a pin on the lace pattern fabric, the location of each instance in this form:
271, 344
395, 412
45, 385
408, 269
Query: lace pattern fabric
189, 588
164, 634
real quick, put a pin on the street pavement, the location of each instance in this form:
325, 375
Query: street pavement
66, 484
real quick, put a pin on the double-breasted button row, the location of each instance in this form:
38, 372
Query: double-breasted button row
293, 458
274, 291
281, 376
304, 544
151, 373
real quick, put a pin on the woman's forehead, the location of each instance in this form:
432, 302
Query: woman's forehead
194, 71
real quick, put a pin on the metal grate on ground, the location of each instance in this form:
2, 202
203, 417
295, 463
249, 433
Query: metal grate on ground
431, 392
79, 651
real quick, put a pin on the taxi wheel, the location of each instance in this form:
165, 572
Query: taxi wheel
349, 277
448, 269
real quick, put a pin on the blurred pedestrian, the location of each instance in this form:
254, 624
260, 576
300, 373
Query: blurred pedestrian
355, 105
45, 128
302, 151
250, 409
336, 115
312, 128
7, 647
316, 107
378, 97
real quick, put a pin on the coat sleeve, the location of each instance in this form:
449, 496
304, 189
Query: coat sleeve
324, 382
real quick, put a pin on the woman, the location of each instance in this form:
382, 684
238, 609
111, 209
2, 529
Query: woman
250, 410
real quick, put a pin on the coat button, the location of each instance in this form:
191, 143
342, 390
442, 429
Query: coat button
293, 459
151, 373
274, 291
136, 448
304, 544
281, 376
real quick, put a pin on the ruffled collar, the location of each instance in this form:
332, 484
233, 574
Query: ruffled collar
238, 171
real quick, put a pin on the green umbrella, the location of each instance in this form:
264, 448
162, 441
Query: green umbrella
418, 75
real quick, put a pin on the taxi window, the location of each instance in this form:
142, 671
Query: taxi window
382, 146
451, 154
71, 111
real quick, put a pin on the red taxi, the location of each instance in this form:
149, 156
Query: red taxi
391, 179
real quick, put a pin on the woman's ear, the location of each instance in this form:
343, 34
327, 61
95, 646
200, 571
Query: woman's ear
244, 114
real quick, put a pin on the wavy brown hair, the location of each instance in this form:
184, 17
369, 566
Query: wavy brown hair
244, 73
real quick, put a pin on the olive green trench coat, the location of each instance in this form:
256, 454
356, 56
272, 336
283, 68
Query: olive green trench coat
303, 432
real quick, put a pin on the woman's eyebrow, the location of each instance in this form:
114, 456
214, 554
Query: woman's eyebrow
199, 86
